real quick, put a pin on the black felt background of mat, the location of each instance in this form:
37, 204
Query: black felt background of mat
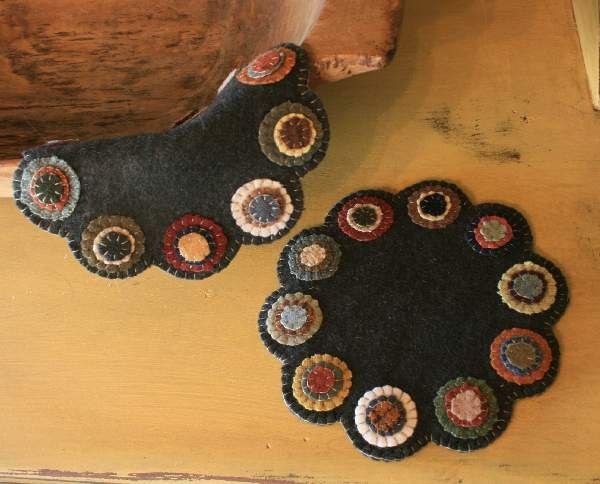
193, 168
401, 310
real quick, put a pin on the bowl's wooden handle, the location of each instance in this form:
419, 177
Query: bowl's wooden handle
354, 36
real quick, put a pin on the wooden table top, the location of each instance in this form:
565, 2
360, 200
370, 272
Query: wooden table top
156, 378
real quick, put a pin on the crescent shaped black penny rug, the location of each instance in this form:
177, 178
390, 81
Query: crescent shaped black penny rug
185, 200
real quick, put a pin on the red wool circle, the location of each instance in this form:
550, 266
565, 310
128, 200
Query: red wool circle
267, 62
372, 233
493, 244
320, 379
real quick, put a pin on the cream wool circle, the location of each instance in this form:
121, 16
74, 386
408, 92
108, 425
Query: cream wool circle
262, 207
385, 416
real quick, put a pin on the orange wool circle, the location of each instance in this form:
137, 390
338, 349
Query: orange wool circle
269, 67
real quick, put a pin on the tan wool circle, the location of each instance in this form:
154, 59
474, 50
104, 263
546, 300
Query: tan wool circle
312, 255
193, 247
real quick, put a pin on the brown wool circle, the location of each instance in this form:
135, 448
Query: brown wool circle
385, 416
296, 132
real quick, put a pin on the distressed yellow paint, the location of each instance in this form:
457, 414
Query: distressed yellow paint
155, 374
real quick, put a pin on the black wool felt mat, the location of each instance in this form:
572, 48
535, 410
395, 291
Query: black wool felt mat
416, 308
194, 168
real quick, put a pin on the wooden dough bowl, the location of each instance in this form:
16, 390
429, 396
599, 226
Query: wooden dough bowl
81, 69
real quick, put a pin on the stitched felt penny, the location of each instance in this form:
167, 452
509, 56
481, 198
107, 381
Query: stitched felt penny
466, 408
269, 67
319, 384
50, 188
262, 208
365, 218
436, 353
434, 206
312, 257
292, 135
292, 319
237, 163
493, 232
528, 288
521, 356
496, 229
385, 416
194, 246
113, 246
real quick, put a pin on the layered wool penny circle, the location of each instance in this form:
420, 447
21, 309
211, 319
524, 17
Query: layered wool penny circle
269, 67
194, 245
321, 382
385, 416
466, 408
528, 288
520, 356
293, 318
434, 206
365, 218
112, 245
50, 188
314, 257
262, 208
291, 134
495, 230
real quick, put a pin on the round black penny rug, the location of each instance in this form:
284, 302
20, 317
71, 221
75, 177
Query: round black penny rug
414, 317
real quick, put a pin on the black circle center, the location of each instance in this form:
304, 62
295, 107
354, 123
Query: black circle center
364, 216
434, 204
114, 246
48, 188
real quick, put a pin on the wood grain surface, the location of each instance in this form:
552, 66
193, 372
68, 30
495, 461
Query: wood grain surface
155, 378
83, 69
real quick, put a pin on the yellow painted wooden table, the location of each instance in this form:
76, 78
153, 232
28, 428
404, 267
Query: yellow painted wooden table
154, 375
